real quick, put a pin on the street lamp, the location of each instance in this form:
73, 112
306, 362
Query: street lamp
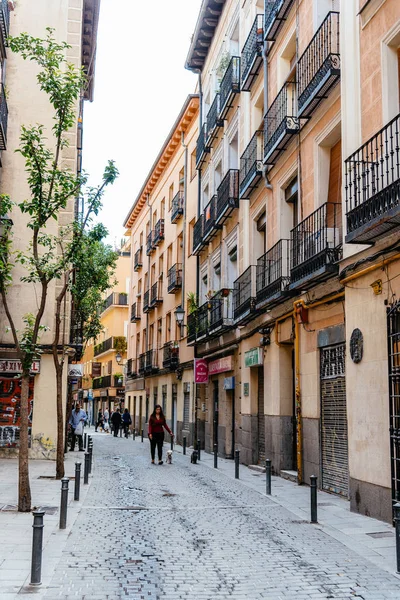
118, 357
180, 317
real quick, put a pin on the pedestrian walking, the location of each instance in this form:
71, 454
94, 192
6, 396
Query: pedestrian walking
76, 422
126, 421
116, 419
157, 424
100, 421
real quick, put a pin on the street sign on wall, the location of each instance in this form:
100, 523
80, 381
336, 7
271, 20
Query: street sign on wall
15, 366
254, 358
220, 365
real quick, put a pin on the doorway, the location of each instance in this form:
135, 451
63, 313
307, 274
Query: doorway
261, 416
174, 416
215, 411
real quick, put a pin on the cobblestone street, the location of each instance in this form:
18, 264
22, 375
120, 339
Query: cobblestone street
187, 531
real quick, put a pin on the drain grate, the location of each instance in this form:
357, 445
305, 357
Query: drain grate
49, 510
381, 534
8, 508
129, 508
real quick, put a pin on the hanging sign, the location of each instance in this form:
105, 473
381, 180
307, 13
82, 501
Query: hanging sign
75, 370
200, 370
254, 357
96, 369
15, 366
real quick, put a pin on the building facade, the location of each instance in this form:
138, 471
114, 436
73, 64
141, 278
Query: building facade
21, 102
163, 279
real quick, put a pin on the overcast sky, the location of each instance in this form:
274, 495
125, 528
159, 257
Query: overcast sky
140, 87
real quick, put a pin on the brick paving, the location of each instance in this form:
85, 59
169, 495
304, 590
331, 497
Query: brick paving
185, 531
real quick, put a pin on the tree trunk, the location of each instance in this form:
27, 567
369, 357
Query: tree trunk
60, 423
24, 490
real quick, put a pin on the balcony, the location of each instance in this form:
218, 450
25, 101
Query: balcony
191, 328
135, 312
175, 278
230, 86
171, 356
221, 312
104, 346
213, 121
156, 297
198, 231
107, 381
177, 206
131, 368
251, 165
142, 364
373, 187
3, 118
228, 196
318, 69
244, 297
202, 321
146, 302
252, 55
158, 232
138, 260
281, 123
151, 362
4, 21
149, 243
201, 147
116, 299
276, 13
273, 275
210, 227
316, 247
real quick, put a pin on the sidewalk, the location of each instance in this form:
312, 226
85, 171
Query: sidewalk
16, 528
370, 538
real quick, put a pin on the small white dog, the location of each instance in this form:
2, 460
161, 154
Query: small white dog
169, 457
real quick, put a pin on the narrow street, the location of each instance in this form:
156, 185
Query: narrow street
188, 531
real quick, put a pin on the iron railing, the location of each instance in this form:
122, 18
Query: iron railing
142, 364
228, 196
251, 164
318, 69
212, 120
177, 206
209, 217
102, 382
221, 311
156, 293
273, 273
5, 21
151, 361
116, 299
244, 295
373, 186
315, 244
158, 232
131, 368
174, 278
276, 12
104, 346
201, 147
149, 243
146, 301
135, 312
3, 119
138, 260
198, 231
191, 327
251, 58
202, 321
230, 85
280, 123
171, 355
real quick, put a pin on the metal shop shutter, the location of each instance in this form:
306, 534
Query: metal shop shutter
334, 439
261, 416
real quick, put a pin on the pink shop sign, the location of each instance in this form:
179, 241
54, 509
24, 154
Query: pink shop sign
221, 365
200, 370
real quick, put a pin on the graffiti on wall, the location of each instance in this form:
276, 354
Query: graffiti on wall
10, 411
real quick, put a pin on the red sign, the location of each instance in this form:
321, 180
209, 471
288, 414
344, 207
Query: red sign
221, 365
200, 370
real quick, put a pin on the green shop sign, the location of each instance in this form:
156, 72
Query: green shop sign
254, 357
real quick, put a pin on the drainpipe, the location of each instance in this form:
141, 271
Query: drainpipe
265, 70
148, 274
184, 219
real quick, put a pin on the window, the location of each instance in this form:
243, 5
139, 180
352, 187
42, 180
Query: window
164, 399
154, 219
169, 256
261, 234
206, 197
153, 274
141, 239
234, 153
190, 244
292, 201
151, 337
217, 176
109, 367
139, 287
170, 196
335, 173
159, 333
162, 209
182, 180
179, 254
193, 171
391, 75
161, 266
137, 344
168, 326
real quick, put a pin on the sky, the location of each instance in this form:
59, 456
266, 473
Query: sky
140, 87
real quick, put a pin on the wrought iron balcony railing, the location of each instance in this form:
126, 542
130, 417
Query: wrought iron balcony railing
210, 216
202, 321
316, 246
373, 186
116, 299
138, 260
174, 278
3, 119
142, 364
251, 165
251, 58
146, 301
276, 13
131, 368
198, 231
177, 206
213, 120
135, 312
171, 355
201, 147
102, 382
280, 123
191, 327
228, 196
318, 69
151, 361
156, 296
158, 232
105, 346
273, 274
4, 21
149, 243
230, 85
221, 312
244, 297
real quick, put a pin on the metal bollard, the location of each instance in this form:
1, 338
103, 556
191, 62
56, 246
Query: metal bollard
77, 486
142, 435
215, 456
184, 445
64, 502
85, 440
37, 545
120, 432
268, 477
86, 470
396, 508
172, 442
90, 450
237, 457
89, 440
313, 488
198, 449
133, 434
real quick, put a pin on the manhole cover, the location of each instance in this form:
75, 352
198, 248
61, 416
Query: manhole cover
49, 510
381, 534
9, 508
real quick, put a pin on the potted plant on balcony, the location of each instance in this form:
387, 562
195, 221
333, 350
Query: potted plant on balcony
192, 303
118, 378
120, 344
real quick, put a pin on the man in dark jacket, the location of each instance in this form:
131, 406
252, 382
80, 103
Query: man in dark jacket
126, 421
116, 419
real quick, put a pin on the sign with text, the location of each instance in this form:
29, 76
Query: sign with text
75, 370
200, 370
221, 365
15, 366
96, 369
254, 357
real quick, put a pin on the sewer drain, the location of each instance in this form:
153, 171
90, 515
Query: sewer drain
381, 534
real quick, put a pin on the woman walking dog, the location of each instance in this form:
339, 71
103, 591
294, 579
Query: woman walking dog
157, 424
